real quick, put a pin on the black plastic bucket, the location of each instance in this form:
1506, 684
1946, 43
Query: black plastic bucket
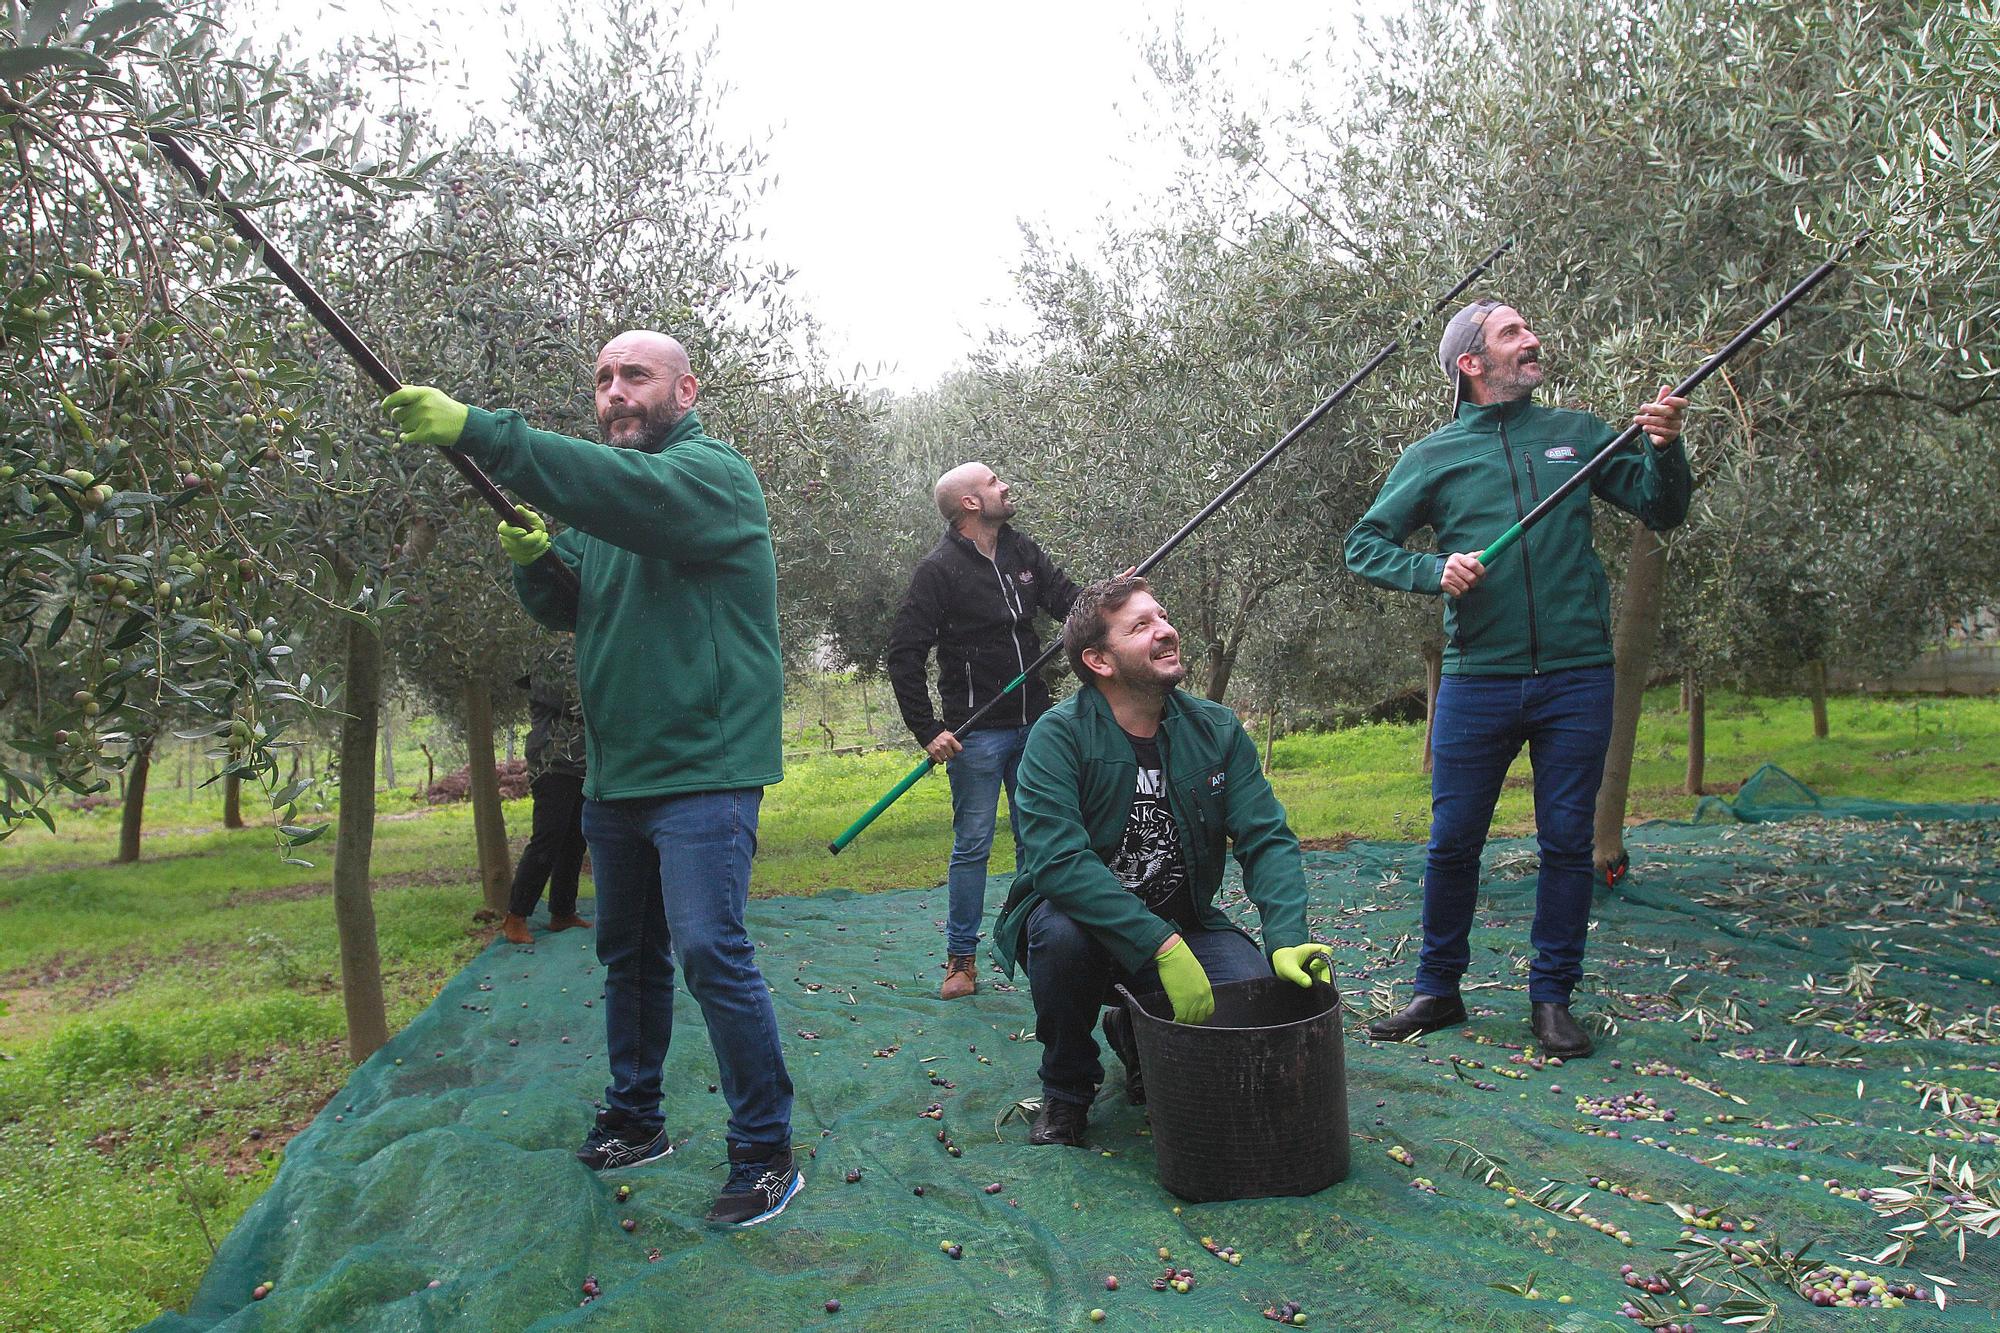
1253, 1103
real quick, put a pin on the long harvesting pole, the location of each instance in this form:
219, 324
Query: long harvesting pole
1687, 386
343, 333
1208, 510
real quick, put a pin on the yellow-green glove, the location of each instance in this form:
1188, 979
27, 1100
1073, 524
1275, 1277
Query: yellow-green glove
1300, 963
1186, 984
426, 415
524, 546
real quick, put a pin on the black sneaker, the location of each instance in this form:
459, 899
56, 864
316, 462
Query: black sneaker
1118, 1032
1059, 1123
615, 1142
761, 1183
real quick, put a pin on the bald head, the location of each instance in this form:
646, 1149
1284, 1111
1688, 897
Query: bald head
970, 492
644, 387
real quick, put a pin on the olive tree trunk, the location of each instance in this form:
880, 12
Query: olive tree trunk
353, 900
132, 819
1697, 714
1632, 647
1816, 686
1433, 654
389, 748
232, 802
488, 824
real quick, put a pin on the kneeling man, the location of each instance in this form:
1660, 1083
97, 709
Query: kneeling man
1130, 794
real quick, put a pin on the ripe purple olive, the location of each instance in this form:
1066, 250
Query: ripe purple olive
833, 1306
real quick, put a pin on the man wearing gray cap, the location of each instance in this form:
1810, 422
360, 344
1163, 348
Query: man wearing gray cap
1527, 654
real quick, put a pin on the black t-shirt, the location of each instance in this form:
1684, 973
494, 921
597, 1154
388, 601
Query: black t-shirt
1149, 861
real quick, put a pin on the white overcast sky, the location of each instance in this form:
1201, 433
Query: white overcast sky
910, 140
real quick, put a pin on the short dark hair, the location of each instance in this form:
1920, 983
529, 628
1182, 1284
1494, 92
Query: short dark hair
1088, 621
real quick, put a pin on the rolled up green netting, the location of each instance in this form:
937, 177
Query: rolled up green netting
1784, 1010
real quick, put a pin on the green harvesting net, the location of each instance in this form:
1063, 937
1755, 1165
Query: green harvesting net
1796, 1021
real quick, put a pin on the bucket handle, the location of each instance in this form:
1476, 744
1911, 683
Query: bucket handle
1132, 1004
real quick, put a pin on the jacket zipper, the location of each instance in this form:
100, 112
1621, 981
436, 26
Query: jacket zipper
1191, 845
1013, 605
1167, 788
1527, 566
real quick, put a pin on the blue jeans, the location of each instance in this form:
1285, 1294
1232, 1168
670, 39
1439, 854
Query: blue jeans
673, 880
991, 758
1071, 975
1480, 723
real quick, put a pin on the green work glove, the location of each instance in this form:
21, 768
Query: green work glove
1186, 984
1300, 963
524, 546
426, 415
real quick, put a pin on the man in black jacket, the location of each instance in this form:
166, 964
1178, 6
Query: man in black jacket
973, 598
554, 854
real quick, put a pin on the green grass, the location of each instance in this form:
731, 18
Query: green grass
153, 1015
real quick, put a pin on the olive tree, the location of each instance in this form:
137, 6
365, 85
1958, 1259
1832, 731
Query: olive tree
1668, 168
149, 405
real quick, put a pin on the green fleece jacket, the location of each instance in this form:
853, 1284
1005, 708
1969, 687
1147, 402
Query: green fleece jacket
1545, 605
677, 622
1077, 780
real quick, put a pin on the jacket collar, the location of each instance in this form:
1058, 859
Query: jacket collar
686, 428
1091, 700
953, 537
1486, 419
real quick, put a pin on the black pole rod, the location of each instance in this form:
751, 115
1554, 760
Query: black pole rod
1249, 474
1722, 357
1187, 529
343, 333
1327, 404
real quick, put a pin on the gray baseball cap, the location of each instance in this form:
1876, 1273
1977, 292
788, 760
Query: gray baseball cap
1459, 334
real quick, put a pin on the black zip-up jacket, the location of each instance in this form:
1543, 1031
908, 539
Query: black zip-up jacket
978, 614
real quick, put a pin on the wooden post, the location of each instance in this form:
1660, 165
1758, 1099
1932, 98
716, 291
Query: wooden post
232, 802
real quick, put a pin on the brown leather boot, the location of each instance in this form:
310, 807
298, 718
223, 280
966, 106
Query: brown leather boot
515, 928
568, 921
961, 977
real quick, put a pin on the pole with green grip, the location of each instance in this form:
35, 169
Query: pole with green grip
1229, 493
1681, 390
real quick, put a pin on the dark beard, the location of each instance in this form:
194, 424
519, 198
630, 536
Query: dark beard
654, 428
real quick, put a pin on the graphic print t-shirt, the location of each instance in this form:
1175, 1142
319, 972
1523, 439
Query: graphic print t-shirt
1148, 862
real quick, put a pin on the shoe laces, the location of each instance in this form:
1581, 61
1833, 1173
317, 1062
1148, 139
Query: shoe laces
747, 1176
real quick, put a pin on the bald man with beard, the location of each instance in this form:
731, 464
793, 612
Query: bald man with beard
973, 598
679, 675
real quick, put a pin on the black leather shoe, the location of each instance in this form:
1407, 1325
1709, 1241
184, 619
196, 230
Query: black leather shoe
1059, 1122
1118, 1032
1427, 1013
1559, 1034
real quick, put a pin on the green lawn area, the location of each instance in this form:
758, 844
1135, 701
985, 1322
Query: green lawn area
165, 1026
